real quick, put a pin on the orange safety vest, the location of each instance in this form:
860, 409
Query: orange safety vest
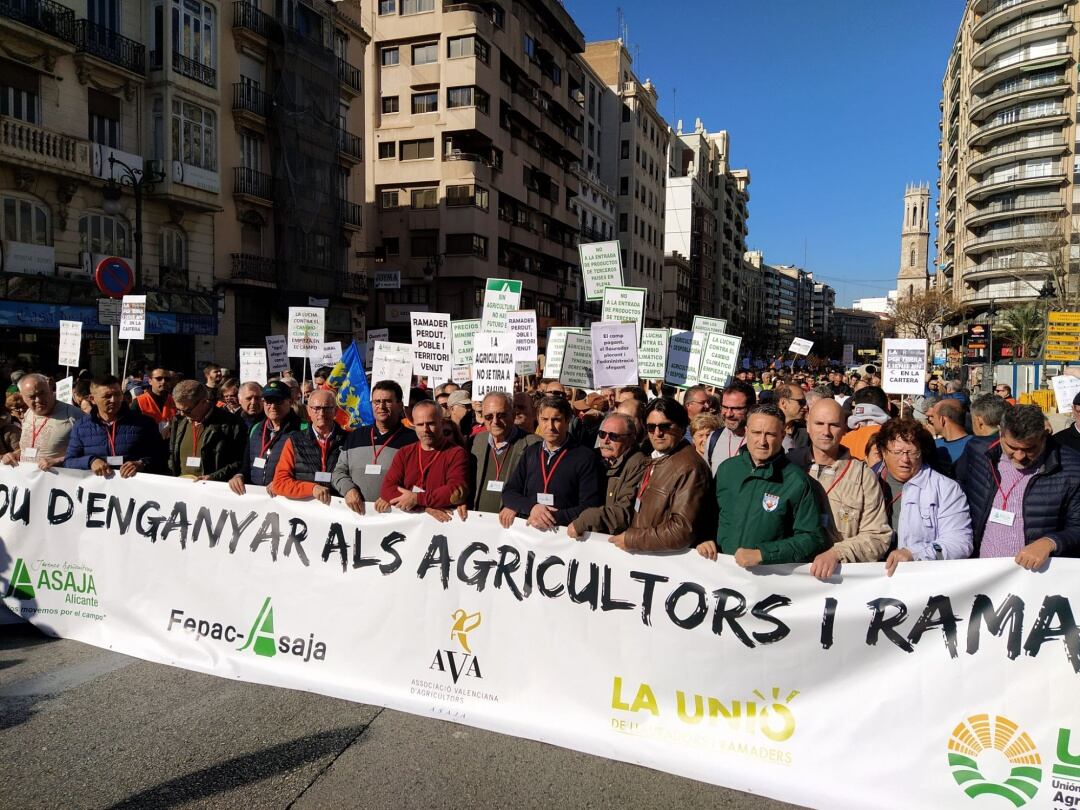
149, 407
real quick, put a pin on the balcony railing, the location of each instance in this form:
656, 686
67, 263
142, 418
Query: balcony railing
1051, 174
172, 278
350, 213
245, 15
1025, 115
185, 66
1023, 26
252, 183
348, 74
107, 44
251, 99
354, 284
1021, 145
1009, 206
1025, 232
25, 143
44, 15
248, 267
350, 144
1020, 87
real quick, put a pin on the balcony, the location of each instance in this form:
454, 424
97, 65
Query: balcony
1002, 12
1008, 208
350, 147
1007, 267
172, 278
44, 15
1017, 91
1025, 119
1024, 63
1021, 178
252, 186
1040, 146
1003, 237
1019, 33
350, 215
349, 76
250, 26
109, 46
192, 69
249, 267
29, 145
250, 105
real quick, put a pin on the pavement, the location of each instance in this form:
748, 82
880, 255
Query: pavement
84, 727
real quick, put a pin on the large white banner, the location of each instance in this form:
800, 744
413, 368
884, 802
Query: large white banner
947, 679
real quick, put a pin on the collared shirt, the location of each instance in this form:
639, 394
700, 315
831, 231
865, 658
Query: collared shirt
552, 453
998, 539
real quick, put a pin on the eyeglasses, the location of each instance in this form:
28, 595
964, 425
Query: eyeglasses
911, 454
615, 437
801, 402
557, 394
734, 407
322, 407
383, 403
661, 427
501, 416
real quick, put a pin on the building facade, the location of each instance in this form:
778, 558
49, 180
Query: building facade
913, 276
822, 323
859, 329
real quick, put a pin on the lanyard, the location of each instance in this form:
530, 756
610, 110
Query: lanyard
274, 434
324, 447
420, 464
35, 431
997, 483
832, 486
742, 441
495, 456
375, 451
544, 472
110, 435
645, 482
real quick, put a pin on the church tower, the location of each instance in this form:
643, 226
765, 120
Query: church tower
914, 275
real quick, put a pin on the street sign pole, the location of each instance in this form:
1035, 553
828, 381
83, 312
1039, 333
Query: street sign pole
112, 349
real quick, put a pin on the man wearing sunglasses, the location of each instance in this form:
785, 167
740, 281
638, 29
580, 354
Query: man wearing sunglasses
792, 401
206, 443
494, 453
673, 508
624, 466
157, 403
308, 457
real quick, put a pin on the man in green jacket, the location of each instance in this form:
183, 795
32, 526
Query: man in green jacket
768, 512
206, 442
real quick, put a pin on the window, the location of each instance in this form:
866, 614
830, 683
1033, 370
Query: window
389, 199
466, 244
392, 246
24, 221
390, 105
623, 221
193, 135
103, 234
423, 243
387, 150
193, 31
387, 7
626, 113
457, 196
458, 47
530, 48
250, 151
389, 56
425, 103
417, 6
173, 248
911, 263
624, 185
425, 54
467, 97
103, 117
418, 150
19, 93
425, 198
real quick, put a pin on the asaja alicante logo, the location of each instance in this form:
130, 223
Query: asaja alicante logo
463, 662
21, 586
75, 581
978, 741
261, 639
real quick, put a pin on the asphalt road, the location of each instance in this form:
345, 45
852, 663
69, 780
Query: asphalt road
82, 727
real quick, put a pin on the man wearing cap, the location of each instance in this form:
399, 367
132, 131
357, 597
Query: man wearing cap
1069, 437
114, 438
267, 437
308, 457
46, 426
207, 443
495, 453
157, 403
459, 405
368, 451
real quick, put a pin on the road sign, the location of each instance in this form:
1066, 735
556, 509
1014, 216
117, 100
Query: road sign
114, 277
108, 312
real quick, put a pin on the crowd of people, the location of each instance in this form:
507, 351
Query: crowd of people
774, 468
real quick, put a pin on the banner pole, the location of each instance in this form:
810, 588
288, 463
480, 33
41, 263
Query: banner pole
127, 353
303, 376
112, 349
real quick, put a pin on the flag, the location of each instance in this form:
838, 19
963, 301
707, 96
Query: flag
351, 383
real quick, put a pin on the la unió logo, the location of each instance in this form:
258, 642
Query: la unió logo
459, 663
983, 742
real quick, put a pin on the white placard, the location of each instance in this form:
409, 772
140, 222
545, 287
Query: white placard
431, 341
328, 355
652, 354
1066, 387
709, 326
556, 347
522, 324
493, 363
70, 343
614, 354
253, 366
801, 346
683, 358
576, 368
393, 361
64, 390
464, 332
601, 267
132, 317
501, 296
904, 367
306, 330
461, 374
277, 354
387, 279
625, 305
369, 345
719, 359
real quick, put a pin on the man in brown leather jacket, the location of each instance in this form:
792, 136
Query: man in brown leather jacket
624, 466
674, 506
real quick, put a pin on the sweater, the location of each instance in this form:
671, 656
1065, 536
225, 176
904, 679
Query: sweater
365, 446
443, 481
576, 482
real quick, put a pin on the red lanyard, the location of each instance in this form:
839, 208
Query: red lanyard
324, 448
644, 482
997, 483
195, 428
544, 473
110, 434
498, 466
376, 451
832, 486
274, 434
742, 441
35, 431
420, 464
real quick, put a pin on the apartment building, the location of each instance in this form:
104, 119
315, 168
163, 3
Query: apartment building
473, 139
787, 292
1007, 179
636, 168
822, 325
861, 329
677, 311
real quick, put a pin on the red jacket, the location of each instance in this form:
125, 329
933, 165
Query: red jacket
446, 472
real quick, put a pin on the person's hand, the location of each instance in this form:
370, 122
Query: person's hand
1034, 554
355, 501
11, 459
824, 564
506, 517
100, 466
321, 494
382, 505
747, 557
236, 484
129, 468
406, 501
618, 540
707, 549
463, 511
572, 532
49, 462
541, 517
440, 515
201, 478
895, 558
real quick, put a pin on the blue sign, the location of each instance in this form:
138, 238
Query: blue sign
48, 316
114, 277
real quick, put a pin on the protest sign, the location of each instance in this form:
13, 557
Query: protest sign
493, 363
576, 367
501, 296
614, 354
431, 341
684, 358
522, 324
132, 318
393, 361
461, 374
253, 366
64, 389
904, 366
464, 331
625, 305
652, 354
70, 343
556, 346
601, 267
708, 326
328, 355
719, 358
306, 330
1066, 388
801, 346
369, 345
277, 353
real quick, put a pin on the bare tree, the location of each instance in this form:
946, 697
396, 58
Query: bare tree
1048, 253
917, 315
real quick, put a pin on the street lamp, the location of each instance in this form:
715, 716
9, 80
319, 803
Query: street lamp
139, 181
1046, 295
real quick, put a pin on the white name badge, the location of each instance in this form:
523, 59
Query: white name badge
114, 461
163, 425
28, 454
417, 489
637, 504
194, 462
322, 477
545, 499
1002, 517
495, 486
259, 463
373, 469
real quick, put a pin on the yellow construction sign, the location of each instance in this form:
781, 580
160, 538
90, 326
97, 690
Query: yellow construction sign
1062, 336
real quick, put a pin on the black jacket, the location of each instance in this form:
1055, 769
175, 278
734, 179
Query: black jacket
222, 445
576, 482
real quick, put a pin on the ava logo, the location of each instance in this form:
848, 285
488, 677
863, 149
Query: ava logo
459, 664
261, 636
21, 586
982, 742
770, 502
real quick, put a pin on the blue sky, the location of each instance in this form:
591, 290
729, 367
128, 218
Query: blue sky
831, 104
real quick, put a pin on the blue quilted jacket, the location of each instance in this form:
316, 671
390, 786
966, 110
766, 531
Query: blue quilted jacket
137, 439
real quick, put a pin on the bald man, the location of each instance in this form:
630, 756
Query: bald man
947, 419
852, 504
304, 470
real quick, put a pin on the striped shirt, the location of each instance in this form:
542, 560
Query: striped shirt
1000, 540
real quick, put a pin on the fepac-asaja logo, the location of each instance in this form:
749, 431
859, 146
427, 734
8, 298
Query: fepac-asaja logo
984, 741
261, 639
21, 586
464, 662
261, 636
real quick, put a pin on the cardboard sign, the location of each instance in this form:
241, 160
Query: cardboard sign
1066, 387
501, 296
493, 363
709, 326
576, 368
719, 359
253, 366
306, 330
601, 267
522, 325
801, 346
625, 305
393, 361
464, 332
132, 317
614, 354
277, 354
556, 347
652, 354
70, 343
369, 345
431, 342
904, 367
64, 389
328, 355
684, 358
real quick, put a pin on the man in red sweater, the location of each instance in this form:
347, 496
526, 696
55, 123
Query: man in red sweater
429, 475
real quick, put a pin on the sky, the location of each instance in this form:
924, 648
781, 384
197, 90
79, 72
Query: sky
831, 104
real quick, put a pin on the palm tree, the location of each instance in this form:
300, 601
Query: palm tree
1022, 327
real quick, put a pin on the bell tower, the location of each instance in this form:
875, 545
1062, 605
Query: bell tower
914, 275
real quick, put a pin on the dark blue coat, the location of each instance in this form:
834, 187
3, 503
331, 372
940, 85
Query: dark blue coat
137, 439
578, 482
1051, 500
